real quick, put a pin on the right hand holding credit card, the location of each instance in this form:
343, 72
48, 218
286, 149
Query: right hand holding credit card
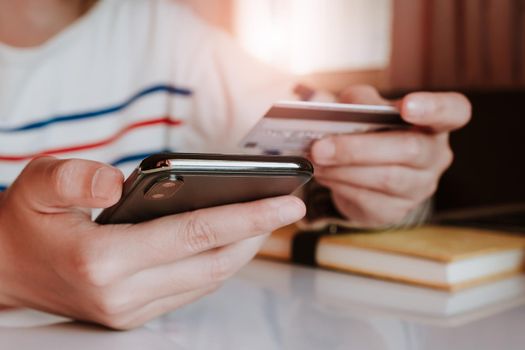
292, 127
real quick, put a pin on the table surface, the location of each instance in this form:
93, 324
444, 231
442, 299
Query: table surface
271, 305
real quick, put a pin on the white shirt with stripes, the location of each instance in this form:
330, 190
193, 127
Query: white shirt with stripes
128, 79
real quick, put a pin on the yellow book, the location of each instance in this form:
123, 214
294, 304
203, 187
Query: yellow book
436, 256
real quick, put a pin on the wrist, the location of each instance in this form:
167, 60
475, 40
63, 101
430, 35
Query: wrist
5, 300
416, 217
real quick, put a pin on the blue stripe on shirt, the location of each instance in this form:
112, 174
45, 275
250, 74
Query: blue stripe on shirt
172, 90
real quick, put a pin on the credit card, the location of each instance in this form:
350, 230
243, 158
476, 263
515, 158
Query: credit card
292, 127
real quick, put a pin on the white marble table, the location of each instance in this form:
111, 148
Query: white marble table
277, 306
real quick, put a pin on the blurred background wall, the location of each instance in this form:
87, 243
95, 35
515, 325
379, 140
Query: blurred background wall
394, 44
458, 43
473, 46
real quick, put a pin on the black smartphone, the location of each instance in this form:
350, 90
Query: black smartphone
171, 183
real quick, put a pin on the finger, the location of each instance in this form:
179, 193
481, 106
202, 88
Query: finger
399, 181
438, 111
193, 273
135, 318
126, 249
369, 208
362, 94
409, 148
48, 184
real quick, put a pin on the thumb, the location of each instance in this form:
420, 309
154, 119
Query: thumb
47, 184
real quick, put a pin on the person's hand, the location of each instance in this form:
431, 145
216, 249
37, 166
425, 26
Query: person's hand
378, 178
54, 258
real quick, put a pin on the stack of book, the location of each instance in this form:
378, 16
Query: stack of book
442, 257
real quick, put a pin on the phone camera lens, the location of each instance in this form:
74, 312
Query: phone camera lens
164, 188
170, 184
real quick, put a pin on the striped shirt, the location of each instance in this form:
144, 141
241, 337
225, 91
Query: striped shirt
128, 79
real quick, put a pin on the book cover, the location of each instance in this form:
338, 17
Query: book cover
449, 258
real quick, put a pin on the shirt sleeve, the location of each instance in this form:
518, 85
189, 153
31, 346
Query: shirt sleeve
231, 90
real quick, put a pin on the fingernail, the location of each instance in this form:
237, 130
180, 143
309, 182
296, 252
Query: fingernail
417, 107
323, 151
290, 211
103, 183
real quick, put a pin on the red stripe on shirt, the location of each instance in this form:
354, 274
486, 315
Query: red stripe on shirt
121, 133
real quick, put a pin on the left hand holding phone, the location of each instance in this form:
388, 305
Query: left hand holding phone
54, 258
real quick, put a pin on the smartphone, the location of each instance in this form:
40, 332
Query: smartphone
171, 183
